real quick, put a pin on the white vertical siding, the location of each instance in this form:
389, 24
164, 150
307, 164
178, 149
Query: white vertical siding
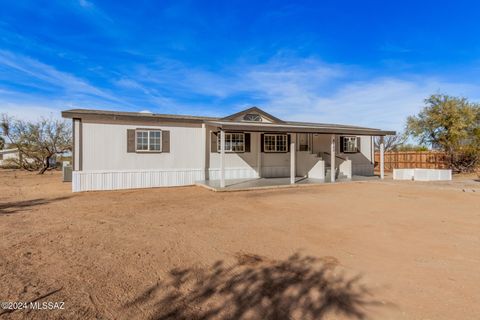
76, 144
366, 147
106, 164
233, 173
105, 148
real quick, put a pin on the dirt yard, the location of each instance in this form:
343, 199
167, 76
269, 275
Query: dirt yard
374, 250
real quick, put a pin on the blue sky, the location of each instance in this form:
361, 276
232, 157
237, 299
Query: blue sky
359, 62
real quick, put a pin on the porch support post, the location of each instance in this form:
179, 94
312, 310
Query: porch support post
222, 158
259, 154
382, 158
293, 137
332, 158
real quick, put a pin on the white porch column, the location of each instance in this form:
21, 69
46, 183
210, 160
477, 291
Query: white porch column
222, 158
293, 137
382, 158
332, 158
259, 154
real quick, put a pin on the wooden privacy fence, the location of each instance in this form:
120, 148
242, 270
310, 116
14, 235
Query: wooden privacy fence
412, 159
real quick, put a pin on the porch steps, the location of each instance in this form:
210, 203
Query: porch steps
339, 176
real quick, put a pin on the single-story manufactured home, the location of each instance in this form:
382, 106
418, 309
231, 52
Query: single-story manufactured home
121, 150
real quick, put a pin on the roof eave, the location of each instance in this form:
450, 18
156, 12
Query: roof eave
302, 129
144, 117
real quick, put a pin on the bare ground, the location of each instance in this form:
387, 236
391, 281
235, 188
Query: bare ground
375, 250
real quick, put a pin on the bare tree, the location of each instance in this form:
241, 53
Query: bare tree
37, 142
391, 143
2, 143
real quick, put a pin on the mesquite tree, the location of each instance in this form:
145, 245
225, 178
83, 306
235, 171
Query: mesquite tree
37, 142
450, 124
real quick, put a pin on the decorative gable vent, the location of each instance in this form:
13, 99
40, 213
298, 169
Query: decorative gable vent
252, 117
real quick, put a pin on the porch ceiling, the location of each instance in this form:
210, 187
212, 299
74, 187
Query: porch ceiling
298, 127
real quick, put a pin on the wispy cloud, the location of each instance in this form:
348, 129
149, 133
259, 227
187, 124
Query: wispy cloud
85, 4
291, 88
305, 89
29, 72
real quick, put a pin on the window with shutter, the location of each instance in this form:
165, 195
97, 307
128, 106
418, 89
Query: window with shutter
275, 143
234, 142
348, 144
148, 140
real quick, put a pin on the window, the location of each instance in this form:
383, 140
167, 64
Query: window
149, 140
275, 142
349, 144
252, 117
234, 142
303, 141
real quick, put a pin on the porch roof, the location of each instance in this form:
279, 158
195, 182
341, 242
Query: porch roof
299, 127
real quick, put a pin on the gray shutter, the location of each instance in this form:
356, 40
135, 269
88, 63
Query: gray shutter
262, 146
213, 142
342, 146
130, 140
165, 141
358, 144
247, 142
289, 141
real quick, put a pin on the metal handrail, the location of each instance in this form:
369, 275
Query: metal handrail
336, 156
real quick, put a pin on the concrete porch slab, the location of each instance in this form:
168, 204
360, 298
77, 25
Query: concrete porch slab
259, 183
271, 183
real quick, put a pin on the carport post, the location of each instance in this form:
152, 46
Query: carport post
332, 158
382, 158
222, 158
293, 137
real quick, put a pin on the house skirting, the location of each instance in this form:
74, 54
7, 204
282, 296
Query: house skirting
97, 180
363, 169
134, 179
233, 173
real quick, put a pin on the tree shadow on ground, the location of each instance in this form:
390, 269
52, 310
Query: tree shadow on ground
300, 287
17, 206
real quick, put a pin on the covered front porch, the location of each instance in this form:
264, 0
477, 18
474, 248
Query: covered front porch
307, 155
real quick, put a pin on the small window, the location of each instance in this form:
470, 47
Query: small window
303, 139
349, 144
252, 117
149, 140
234, 142
275, 142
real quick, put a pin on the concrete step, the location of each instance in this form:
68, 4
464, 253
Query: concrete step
338, 175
